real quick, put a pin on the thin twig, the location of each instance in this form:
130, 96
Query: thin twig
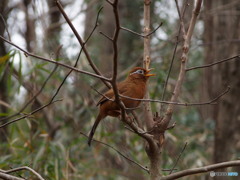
181, 17
22, 168
102, 94
110, 2
106, 36
83, 45
5, 24
183, 149
81, 42
237, 57
55, 62
169, 169
34, 97
141, 35
29, 114
178, 103
121, 154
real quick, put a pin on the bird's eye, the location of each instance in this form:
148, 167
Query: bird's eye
140, 71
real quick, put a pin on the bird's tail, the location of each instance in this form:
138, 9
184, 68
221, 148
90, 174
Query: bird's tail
95, 125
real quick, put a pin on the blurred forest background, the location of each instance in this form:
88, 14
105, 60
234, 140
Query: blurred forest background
50, 141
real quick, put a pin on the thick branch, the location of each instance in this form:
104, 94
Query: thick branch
201, 169
147, 59
175, 48
20, 169
9, 177
184, 59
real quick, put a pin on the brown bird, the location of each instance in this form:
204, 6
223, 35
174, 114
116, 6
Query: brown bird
133, 86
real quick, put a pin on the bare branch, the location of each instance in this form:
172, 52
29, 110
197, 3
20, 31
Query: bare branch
9, 177
178, 158
55, 62
178, 103
102, 94
20, 169
174, 52
141, 35
106, 36
181, 17
121, 154
203, 169
184, 59
83, 45
5, 24
237, 57
147, 59
81, 42
29, 114
110, 2
34, 97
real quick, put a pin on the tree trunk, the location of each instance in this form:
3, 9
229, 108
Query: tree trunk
222, 30
4, 77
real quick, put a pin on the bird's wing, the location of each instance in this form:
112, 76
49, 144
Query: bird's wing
110, 94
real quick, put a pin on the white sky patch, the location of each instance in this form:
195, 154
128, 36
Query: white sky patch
68, 39
166, 10
20, 97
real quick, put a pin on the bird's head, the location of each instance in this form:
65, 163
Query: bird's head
140, 73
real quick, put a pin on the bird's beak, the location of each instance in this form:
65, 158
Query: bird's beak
148, 75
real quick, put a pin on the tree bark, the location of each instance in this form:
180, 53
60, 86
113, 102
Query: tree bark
222, 26
3, 79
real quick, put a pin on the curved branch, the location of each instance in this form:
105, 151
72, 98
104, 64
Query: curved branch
9, 177
201, 169
29, 114
215, 63
20, 169
121, 154
141, 35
